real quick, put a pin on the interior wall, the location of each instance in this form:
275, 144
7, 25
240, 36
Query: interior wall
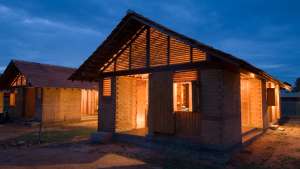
126, 98
131, 103
251, 102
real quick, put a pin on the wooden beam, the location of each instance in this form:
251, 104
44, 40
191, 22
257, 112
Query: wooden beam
129, 57
148, 47
203, 65
115, 65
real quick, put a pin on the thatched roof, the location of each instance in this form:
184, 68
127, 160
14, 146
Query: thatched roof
41, 75
133, 22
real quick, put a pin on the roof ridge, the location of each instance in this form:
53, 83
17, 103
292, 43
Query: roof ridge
45, 64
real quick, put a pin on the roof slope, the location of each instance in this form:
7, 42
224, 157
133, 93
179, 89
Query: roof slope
42, 75
128, 26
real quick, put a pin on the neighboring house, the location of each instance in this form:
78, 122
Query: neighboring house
41, 91
290, 101
158, 83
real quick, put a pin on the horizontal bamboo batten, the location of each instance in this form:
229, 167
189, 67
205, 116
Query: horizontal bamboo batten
152, 48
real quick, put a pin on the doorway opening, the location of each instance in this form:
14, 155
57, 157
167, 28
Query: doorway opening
132, 104
251, 103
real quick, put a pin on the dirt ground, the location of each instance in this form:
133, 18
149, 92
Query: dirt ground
69, 148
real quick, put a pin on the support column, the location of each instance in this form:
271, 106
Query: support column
100, 104
265, 115
106, 114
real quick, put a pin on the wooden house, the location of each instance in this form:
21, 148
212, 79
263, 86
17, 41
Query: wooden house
41, 91
155, 82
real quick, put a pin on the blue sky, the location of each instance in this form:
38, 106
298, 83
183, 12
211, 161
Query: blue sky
265, 33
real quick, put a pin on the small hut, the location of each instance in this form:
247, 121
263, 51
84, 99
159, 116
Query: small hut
155, 82
43, 92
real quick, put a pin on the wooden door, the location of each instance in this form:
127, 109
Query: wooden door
161, 103
29, 103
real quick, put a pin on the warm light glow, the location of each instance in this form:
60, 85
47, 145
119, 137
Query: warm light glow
182, 96
252, 75
140, 120
12, 99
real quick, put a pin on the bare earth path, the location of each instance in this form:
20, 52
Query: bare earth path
275, 149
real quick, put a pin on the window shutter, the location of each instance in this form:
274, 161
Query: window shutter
271, 97
196, 96
185, 76
107, 87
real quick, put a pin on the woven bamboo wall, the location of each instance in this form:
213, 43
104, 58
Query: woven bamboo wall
61, 104
126, 103
251, 102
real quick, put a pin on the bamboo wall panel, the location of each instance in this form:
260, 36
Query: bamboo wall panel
188, 124
134, 55
61, 104
251, 103
138, 53
107, 87
161, 103
89, 102
158, 48
50, 106
198, 55
185, 76
179, 52
122, 62
126, 99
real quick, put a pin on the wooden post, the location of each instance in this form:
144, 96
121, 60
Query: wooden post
100, 103
115, 65
148, 47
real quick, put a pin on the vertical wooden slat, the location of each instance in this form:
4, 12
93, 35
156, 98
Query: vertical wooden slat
168, 50
148, 47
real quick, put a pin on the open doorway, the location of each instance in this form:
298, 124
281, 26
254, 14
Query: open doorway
132, 104
251, 103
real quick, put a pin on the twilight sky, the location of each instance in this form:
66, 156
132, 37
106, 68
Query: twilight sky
265, 33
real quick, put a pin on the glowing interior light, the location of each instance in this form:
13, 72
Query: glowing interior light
252, 75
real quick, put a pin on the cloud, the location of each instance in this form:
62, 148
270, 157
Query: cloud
4, 9
23, 17
271, 66
34, 21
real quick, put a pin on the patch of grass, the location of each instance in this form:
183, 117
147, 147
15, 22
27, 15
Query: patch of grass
55, 135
